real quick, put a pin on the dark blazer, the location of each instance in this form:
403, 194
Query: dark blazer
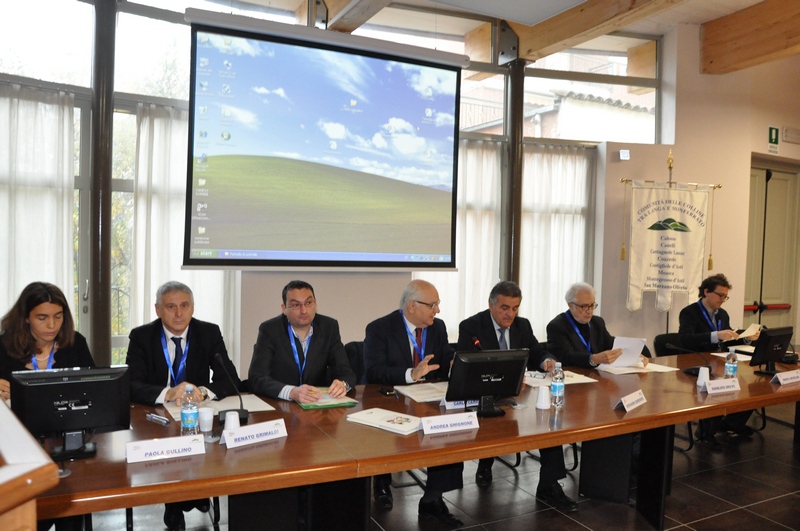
273, 365
149, 370
77, 355
387, 350
696, 332
520, 335
563, 341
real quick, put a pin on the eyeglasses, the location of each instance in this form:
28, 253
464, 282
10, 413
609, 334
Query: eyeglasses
585, 307
294, 306
172, 307
431, 305
722, 297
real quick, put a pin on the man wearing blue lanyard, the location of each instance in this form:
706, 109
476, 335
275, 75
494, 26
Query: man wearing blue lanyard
500, 327
401, 348
171, 352
299, 350
704, 325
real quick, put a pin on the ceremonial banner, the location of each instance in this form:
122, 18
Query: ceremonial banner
667, 244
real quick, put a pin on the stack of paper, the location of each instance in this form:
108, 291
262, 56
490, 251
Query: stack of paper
327, 400
387, 420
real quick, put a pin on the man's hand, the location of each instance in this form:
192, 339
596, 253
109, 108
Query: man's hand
727, 335
305, 394
548, 365
175, 393
337, 389
607, 356
423, 368
5, 389
645, 360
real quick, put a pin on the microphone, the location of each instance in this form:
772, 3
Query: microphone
691, 371
477, 343
243, 413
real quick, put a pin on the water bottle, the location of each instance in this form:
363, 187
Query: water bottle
730, 363
557, 387
189, 412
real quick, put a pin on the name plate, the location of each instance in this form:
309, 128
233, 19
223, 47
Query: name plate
631, 401
255, 433
168, 448
459, 404
721, 385
787, 377
448, 423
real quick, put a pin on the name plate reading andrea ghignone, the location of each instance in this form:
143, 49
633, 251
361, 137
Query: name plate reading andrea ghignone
446, 423
255, 433
167, 448
786, 377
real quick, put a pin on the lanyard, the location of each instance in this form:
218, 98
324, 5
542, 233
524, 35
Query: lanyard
708, 317
578, 332
182, 367
293, 343
49, 359
413, 339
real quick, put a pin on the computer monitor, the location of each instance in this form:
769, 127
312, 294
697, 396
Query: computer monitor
770, 348
70, 403
487, 376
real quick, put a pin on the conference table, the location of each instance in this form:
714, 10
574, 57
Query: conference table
328, 461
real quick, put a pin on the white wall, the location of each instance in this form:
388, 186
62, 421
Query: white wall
720, 122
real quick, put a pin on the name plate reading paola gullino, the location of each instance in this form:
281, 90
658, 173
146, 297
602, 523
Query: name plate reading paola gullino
166, 448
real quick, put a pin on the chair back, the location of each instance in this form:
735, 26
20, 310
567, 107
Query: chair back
669, 344
355, 354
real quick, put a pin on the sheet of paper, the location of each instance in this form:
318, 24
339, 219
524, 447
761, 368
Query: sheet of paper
751, 331
631, 350
651, 367
740, 356
423, 392
326, 401
252, 403
540, 379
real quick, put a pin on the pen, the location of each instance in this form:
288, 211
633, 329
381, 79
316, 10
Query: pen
158, 419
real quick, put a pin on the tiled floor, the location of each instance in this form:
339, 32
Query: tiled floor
753, 484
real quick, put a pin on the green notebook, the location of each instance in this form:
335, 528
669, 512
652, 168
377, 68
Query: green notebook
327, 401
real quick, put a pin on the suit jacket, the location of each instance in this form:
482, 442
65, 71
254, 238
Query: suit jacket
520, 335
77, 355
273, 365
696, 332
149, 370
563, 341
387, 350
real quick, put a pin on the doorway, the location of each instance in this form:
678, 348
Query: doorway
771, 280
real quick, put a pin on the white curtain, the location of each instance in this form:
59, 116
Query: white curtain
36, 190
159, 205
466, 291
557, 219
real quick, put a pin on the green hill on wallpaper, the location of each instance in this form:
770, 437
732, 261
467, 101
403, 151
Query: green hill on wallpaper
275, 203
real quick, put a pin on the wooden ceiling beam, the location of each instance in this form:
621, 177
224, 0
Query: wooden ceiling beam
582, 23
759, 34
348, 15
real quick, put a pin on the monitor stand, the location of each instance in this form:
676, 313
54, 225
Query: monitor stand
769, 371
74, 448
487, 408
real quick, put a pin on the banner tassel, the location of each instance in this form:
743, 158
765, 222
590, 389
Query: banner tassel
710, 261
622, 252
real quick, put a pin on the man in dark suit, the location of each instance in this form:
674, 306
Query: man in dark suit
401, 348
171, 352
578, 337
298, 350
499, 327
704, 325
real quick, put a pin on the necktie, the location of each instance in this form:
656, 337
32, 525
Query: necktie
502, 341
418, 334
176, 362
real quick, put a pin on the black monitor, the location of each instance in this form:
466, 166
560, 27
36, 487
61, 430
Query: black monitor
70, 403
770, 348
487, 376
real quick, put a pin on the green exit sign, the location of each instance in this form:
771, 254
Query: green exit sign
773, 136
